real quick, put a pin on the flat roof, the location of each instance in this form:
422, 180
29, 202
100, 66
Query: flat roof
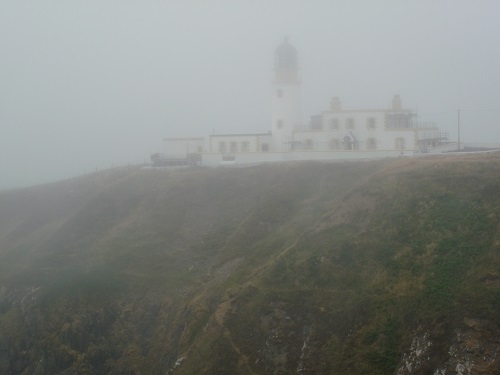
239, 135
184, 139
403, 110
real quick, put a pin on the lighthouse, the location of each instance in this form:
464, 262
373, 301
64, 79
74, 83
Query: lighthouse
286, 98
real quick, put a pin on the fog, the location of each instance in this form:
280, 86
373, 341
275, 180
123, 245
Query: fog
85, 85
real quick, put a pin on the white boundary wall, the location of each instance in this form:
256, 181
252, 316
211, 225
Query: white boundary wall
445, 148
481, 145
214, 159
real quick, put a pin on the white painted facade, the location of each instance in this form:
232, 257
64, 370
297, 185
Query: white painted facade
239, 143
367, 129
336, 133
286, 99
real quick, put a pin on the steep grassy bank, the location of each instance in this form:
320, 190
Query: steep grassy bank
359, 267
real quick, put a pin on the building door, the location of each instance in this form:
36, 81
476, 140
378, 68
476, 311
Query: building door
347, 143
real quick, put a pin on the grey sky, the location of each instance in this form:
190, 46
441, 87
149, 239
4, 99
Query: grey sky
86, 84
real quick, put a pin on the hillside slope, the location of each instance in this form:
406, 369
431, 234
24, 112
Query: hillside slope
381, 267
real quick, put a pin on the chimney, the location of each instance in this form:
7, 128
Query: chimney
396, 103
335, 104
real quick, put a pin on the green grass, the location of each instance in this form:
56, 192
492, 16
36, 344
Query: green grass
350, 258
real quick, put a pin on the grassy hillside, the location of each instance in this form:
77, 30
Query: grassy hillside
381, 267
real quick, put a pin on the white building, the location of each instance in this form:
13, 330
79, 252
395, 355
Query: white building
336, 133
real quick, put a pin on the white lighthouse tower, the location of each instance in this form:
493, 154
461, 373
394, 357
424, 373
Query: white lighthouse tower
286, 102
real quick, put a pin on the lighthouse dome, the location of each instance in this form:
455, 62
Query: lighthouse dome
285, 56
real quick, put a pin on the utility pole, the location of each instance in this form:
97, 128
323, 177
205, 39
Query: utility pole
458, 124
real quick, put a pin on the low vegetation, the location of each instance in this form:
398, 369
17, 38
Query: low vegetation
373, 267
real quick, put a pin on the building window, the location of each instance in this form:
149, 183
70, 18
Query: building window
334, 144
245, 147
334, 124
279, 93
399, 120
199, 149
349, 123
316, 123
233, 147
347, 143
400, 143
308, 144
222, 147
371, 144
279, 124
228, 157
265, 147
371, 123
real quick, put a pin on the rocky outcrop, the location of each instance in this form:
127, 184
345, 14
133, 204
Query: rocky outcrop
474, 348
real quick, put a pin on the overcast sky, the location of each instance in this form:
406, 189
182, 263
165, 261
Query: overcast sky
88, 84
